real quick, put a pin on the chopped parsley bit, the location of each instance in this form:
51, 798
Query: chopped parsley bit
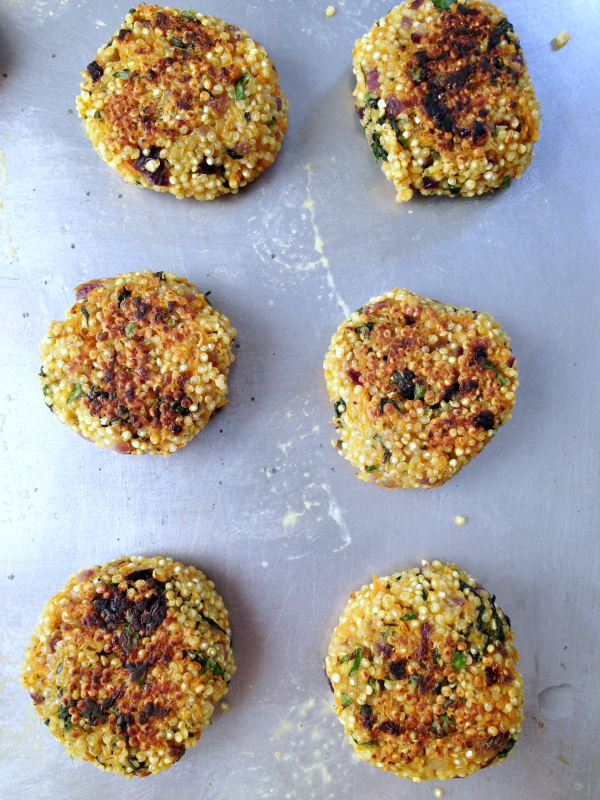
459, 660
359, 310
398, 132
59, 669
132, 10
124, 73
63, 713
368, 325
488, 365
414, 681
97, 115
134, 763
46, 722
494, 131
343, 659
435, 656
346, 701
189, 14
85, 313
357, 659
387, 454
239, 86
77, 392
408, 616
372, 468
272, 121
45, 390
339, 407
130, 330
179, 43
364, 744
233, 154
41, 373
378, 149
160, 275
420, 389
505, 182
443, 4
206, 297
435, 155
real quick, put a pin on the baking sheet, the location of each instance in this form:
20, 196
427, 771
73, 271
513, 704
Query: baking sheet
260, 500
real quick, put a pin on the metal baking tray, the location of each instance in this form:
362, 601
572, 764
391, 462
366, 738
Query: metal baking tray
260, 500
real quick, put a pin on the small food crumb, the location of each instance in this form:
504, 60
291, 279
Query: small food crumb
224, 706
331, 11
459, 521
561, 39
438, 793
276, 755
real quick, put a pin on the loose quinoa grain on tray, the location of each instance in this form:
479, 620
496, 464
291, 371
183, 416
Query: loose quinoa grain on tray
128, 662
419, 388
445, 98
184, 103
423, 668
139, 365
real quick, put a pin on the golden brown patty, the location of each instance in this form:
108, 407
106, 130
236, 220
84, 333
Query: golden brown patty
445, 98
419, 388
128, 661
423, 669
139, 365
184, 103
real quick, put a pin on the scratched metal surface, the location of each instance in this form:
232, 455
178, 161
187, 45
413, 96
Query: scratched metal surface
260, 500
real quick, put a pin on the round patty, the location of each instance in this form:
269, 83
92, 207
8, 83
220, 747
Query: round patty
139, 365
419, 388
445, 99
128, 661
184, 103
422, 666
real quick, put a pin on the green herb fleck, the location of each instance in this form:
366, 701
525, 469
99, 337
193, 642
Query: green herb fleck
46, 722
398, 132
505, 182
59, 669
343, 659
160, 275
272, 121
63, 713
488, 365
459, 660
189, 14
494, 131
378, 149
420, 389
387, 454
364, 744
239, 86
124, 73
435, 155
130, 330
233, 154
373, 685
206, 297
134, 763
443, 4
213, 667
339, 408
132, 10
357, 659
179, 43
41, 373
435, 656
408, 616
346, 701
414, 681
45, 390
97, 115
372, 468
77, 392
60, 692
368, 326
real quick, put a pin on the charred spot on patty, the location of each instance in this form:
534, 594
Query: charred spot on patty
484, 419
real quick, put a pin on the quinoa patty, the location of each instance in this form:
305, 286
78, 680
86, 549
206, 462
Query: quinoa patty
445, 98
128, 661
422, 666
184, 103
419, 388
139, 365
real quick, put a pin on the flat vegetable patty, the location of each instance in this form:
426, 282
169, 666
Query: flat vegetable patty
423, 668
184, 103
445, 98
128, 661
419, 388
139, 365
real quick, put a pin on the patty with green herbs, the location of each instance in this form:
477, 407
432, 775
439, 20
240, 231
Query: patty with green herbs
445, 98
418, 388
140, 363
182, 102
423, 669
128, 662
